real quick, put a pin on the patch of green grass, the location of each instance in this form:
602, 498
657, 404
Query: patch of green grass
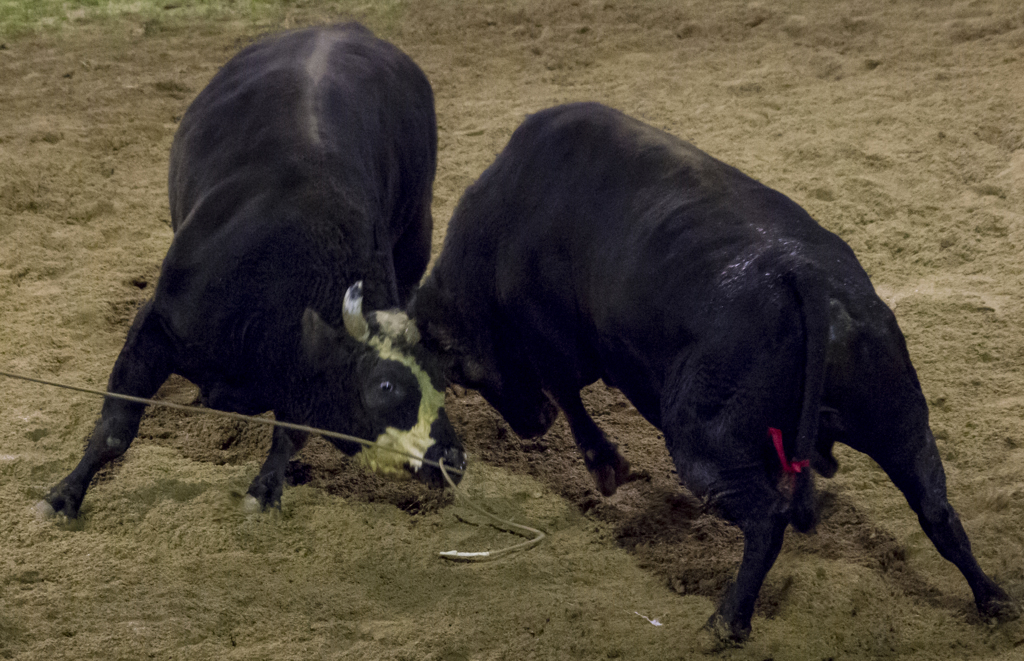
16, 16
23, 17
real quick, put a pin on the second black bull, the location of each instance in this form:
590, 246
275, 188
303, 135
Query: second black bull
597, 247
303, 169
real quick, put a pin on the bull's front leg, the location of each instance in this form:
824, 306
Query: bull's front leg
142, 366
265, 490
602, 457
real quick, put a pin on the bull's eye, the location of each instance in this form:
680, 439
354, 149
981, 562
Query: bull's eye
389, 391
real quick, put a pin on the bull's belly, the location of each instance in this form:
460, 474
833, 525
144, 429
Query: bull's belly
246, 398
639, 387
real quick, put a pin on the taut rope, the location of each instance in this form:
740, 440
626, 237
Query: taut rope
224, 414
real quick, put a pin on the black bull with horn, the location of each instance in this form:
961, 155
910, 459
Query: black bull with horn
282, 212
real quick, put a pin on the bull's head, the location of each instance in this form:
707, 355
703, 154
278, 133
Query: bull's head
476, 352
400, 390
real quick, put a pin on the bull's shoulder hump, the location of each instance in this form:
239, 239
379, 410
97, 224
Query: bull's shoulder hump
317, 63
594, 137
308, 58
351, 39
595, 121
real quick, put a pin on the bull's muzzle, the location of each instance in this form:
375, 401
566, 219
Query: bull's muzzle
432, 440
453, 458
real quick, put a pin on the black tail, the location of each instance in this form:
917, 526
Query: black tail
814, 308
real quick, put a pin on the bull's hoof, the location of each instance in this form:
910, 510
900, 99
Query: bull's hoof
717, 635
264, 493
1000, 609
604, 480
59, 501
44, 510
251, 506
825, 465
610, 477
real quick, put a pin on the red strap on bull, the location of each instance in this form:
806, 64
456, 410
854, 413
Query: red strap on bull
787, 466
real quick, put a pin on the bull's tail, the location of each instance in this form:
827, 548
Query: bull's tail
814, 309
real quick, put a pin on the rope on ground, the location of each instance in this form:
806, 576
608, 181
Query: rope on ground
462, 556
482, 556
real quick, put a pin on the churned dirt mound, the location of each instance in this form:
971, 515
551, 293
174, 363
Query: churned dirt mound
897, 125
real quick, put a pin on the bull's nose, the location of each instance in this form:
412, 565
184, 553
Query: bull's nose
454, 460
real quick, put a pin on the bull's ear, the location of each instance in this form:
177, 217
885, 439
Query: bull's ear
458, 366
435, 317
319, 338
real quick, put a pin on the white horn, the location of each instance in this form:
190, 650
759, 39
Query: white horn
352, 313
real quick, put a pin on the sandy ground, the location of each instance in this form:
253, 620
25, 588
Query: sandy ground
897, 125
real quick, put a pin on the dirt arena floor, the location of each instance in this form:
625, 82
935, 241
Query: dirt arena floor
898, 125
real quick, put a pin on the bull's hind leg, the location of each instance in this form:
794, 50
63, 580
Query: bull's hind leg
143, 365
919, 475
602, 457
763, 533
739, 489
718, 439
265, 490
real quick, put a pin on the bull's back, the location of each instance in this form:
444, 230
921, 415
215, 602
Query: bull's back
629, 241
332, 104
292, 174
